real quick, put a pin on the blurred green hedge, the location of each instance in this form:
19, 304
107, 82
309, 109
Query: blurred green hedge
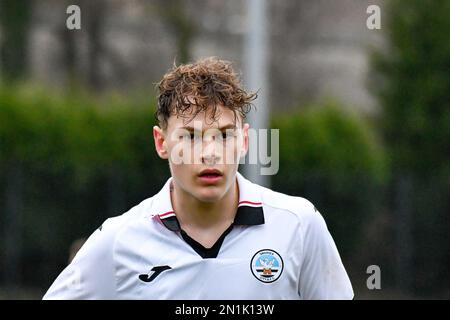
332, 158
410, 79
74, 132
85, 159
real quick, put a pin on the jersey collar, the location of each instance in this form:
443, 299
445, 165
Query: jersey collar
249, 212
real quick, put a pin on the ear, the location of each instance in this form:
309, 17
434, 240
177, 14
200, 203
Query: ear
160, 142
244, 148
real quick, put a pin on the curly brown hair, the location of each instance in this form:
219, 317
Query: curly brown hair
189, 89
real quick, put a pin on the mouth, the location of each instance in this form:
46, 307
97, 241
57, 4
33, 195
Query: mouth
210, 176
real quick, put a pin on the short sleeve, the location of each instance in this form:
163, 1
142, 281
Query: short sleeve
90, 275
322, 274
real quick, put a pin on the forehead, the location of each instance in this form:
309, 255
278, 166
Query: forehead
204, 119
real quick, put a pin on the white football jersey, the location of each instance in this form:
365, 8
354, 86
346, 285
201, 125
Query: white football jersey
278, 247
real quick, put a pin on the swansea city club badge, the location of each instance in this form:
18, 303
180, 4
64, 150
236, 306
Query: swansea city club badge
267, 265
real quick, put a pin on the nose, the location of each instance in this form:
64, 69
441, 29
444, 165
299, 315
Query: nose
210, 154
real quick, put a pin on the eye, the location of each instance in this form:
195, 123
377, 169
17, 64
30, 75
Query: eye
225, 135
194, 137
187, 136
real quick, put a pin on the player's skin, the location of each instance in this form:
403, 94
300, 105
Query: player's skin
205, 207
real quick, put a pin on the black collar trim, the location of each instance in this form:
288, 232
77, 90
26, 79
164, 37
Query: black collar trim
206, 253
245, 216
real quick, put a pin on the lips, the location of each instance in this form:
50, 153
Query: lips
210, 176
210, 173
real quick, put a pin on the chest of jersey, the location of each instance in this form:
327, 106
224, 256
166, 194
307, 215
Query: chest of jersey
254, 262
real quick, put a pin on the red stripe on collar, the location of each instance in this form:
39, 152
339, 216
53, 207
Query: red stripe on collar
167, 214
250, 202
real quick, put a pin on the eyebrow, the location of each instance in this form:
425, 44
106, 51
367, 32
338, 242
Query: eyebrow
225, 127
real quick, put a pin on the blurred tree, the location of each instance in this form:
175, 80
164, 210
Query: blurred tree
94, 18
175, 14
333, 159
412, 83
14, 25
67, 39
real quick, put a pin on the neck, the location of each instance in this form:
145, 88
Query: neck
192, 212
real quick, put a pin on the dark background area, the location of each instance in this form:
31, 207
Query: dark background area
364, 120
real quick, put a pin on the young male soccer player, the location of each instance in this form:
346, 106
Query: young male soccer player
209, 233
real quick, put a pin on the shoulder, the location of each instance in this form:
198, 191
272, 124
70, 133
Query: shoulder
116, 224
105, 237
293, 212
92, 272
287, 205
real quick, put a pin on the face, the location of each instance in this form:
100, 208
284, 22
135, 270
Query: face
203, 155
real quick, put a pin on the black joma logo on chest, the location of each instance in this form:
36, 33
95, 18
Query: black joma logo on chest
156, 271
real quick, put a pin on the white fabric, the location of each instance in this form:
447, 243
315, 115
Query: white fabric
110, 262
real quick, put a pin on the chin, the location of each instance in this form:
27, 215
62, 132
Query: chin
211, 195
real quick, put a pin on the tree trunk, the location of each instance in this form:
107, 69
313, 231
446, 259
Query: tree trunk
403, 230
13, 220
14, 24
